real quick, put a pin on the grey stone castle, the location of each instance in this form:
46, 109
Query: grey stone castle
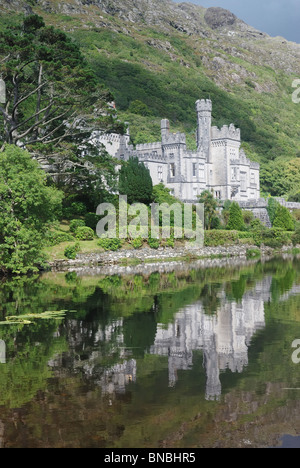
219, 164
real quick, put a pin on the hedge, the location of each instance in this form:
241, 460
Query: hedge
215, 238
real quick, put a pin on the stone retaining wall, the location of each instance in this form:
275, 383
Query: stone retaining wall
147, 255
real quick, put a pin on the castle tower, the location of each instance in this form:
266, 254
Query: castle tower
165, 129
204, 110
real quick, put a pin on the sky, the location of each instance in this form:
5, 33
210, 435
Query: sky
275, 17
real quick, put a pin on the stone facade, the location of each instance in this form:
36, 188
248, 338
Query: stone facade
219, 164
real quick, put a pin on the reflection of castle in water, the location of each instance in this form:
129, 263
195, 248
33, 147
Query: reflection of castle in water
224, 339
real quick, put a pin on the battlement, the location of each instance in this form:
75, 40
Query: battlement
226, 132
203, 105
174, 139
108, 137
148, 147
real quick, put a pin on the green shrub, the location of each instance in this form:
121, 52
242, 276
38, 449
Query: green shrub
296, 237
76, 209
244, 235
110, 244
171, 243
275, 238
272, 208
153, 243
137, 243
248, 216
283, 219
91, 220
84, 233
75, 224
215, 238
71, 251
235, 220
55, 238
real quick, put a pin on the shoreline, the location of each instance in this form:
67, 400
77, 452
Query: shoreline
164, 255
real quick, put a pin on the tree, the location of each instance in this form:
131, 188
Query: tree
139, 107
272, 208
235, 220
54, 104
27, 208
135, 182
283, 219
211, 206
51, 91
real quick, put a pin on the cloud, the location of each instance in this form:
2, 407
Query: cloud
275, 17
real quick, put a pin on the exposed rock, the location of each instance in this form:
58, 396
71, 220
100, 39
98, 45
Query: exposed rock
218, 17
17, 5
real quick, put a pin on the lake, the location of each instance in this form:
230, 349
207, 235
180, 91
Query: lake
182, 356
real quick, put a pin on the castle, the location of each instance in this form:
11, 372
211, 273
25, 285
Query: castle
218, 165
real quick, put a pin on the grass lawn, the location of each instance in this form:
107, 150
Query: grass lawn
56, 252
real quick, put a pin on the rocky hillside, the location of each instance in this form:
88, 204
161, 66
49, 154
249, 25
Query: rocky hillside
158, 57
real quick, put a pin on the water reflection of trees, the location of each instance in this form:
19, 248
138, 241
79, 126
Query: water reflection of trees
120, 320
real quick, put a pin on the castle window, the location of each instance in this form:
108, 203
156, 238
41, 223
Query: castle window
201, 172
195, 192
194, 169
160, 172
172, 170
252, 178
234, 173
243, 182
218, 194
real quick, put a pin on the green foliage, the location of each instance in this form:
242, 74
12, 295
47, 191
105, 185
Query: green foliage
215, 238
75, 224
71, 251
161, 194
153, 243
284, 219
91, 220
54, 238
235, 220
84, 233
248, 216
280, 216
295, 197
27, 207
74, 209
135, 182
211, 206
34, 60
296, 237
137, 243
280, 178
274, 237
170, 242
110, 244
138, 107
272, 208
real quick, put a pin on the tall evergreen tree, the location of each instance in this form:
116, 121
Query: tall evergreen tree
235, 220
135, 182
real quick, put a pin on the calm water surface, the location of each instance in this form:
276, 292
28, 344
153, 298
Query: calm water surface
195, 357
